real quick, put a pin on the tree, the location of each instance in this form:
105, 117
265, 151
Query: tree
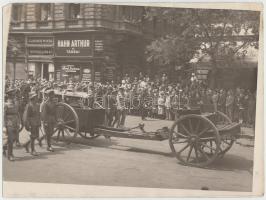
220, 34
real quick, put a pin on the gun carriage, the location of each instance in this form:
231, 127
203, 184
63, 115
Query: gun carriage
196, 138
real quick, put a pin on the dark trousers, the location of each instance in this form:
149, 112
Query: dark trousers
49, 131
11, 136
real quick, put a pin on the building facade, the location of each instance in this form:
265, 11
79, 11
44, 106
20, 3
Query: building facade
78, 41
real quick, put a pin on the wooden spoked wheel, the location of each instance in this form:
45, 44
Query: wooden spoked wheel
221, 121
67, 122
194, 140
89, 136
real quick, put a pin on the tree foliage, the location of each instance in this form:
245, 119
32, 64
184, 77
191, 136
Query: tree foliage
220, 34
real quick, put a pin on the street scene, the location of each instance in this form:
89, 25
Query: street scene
132, 96
131, 163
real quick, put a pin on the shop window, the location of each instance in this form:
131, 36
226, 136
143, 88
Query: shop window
45, 11
74, 11
16, 12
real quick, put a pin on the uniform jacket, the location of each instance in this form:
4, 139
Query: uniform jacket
33, 114
11, 115
49, 112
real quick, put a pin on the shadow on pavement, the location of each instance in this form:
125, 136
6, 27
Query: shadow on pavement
231, 163
148, 151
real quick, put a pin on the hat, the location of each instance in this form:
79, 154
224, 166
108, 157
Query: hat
32, 95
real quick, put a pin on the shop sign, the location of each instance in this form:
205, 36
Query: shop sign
73, 46
40, 40
86, 76
40, 52
70, 68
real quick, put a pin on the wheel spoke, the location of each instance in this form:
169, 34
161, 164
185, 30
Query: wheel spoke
68, 122
178, 133
179, 142
189, 153
204, 154
66, 118
55, 130
185, 129
190, 126
183, 149
204, 130
70, 128
197, 127
208, 138
210, 147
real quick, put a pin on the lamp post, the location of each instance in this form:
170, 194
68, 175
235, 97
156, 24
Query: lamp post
15, 52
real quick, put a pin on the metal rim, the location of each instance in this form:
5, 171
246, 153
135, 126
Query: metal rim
67, 121
194, 140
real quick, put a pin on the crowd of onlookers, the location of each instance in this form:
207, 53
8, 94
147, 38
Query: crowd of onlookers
159, 98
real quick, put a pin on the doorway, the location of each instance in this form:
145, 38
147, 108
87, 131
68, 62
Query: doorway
45, 73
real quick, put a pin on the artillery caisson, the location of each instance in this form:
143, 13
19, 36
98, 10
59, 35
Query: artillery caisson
195, 138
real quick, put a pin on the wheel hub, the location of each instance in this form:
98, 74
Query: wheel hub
60, 123
194, 139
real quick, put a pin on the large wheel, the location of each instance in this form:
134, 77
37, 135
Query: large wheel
67, 122
223, 120
194, 140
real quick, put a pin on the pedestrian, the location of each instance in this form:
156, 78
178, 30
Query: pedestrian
11, 123
32, 122
229, 104
48, 116
161, 106
121, 108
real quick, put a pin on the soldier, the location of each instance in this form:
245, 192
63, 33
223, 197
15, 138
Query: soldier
121, 108
32, 122
48, 116
11, 123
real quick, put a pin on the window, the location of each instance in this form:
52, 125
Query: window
74, 11
16, 12
45, 11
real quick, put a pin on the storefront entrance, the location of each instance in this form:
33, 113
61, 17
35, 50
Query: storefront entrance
45, 73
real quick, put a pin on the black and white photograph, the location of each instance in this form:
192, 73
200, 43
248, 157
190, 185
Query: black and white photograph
131, 96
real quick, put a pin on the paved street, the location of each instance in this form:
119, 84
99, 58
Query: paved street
125, 162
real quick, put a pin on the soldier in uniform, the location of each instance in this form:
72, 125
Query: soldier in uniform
121, 108
32, 122
11, 123
48, 116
